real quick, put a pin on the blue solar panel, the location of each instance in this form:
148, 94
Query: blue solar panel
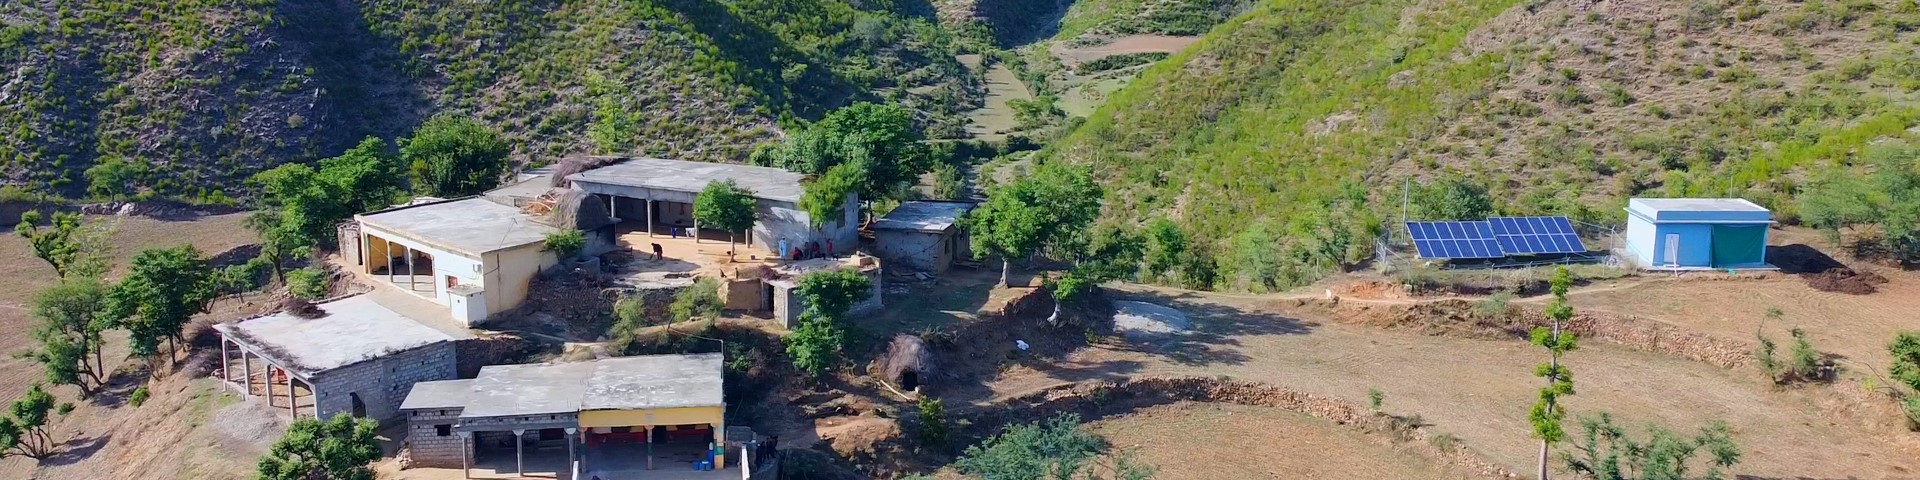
1454, 240
1535, 235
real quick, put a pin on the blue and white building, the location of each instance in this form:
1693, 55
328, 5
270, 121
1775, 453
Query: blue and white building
1697, 233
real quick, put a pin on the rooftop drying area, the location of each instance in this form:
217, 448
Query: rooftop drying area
352, 330
691, 177
472, 225
924, 216
620, 383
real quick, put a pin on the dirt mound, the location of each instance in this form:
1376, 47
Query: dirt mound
1464, 318
1821, 271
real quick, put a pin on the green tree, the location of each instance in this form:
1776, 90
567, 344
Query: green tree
309, 283
338, 449
565, 244
702, 299
1166, 247
1052, 205
1546, 414
71, 317
725, 205
305, 204
369, 174
58, 244
111, 178
23, 432
1905, 350
826, 297
1452, 197
834, 292
815, 345
825, 198
1056, 449
1605, 452
880, 141
452, 156
164, 288
1888, 198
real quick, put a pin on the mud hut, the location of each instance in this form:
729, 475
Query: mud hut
907, 363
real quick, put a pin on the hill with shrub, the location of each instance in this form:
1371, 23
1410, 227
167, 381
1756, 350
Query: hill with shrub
1281, 142
196, 95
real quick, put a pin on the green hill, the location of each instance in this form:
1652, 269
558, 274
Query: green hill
1286, 132
207, 92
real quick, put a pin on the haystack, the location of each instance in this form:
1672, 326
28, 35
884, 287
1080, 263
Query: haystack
578, 210
572, 165
302, 308
908, 362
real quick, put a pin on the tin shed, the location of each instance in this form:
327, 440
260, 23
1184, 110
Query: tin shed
1697, 233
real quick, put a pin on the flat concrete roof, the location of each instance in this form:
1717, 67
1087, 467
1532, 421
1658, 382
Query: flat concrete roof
1699, 210
924, 216
620, 383
438, 394
472, 225
692, 177
354, 329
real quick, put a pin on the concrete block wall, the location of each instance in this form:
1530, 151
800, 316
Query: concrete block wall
382, 383
913, 250
428, 448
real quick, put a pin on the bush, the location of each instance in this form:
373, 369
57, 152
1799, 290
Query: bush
1495, 306
566, 243
1374, 398
309, 283
815, 346
1765, 357
1805, 362
933, 421
138, 397
702, 299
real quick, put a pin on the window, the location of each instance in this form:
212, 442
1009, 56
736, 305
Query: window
453, 281
443, 429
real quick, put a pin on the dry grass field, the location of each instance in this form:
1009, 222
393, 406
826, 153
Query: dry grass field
1207, 441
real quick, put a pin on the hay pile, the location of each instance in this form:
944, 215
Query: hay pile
908, 363
572, 165
578, 210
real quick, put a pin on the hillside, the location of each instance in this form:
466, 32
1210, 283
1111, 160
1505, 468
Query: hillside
207, 92
1287, 130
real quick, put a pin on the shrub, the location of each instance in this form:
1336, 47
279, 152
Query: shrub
702, 299
1606, 451
1805, 362
1494, 306
139, 396
815, 346
1374, 398
566, 243
1765, 357
933, 421
1905, 350
309, 283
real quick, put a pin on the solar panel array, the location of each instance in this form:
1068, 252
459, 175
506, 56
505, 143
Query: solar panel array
1454, 240
1497, 237
1535, 235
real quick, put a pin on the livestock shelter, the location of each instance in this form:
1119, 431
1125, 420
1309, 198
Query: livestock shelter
654, 194
1697, 233
620, 417
351, 355
922, 236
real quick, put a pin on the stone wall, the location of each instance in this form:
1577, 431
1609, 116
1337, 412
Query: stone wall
426, 445
381, 383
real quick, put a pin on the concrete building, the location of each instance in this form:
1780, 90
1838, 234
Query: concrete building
922, 236
613, 417
355, 357
1697, 233
471, 254
786, 305
653, 193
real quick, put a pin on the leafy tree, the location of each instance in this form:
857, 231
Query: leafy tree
452, 156
566, 243
110, 178
309, 283
702, 299
1888, 198
71, 317
1166, 247
338, 449
834, 292
1021, 217
1805, 362
1452, 197
1054, 449
58, 244
23, 432
814, 345
879, 140
1606, 452
1905, 350
825, 198
933, 421
369, 173
1546, 414
725, 205
306, 204
162, 292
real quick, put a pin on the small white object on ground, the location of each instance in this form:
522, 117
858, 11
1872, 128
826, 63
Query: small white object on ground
1021, 344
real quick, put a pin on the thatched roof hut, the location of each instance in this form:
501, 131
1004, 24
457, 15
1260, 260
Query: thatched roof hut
907, 364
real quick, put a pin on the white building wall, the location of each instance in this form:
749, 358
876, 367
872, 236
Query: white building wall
785, 221
445, 263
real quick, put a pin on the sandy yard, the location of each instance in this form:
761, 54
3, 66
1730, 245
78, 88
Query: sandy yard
1207, 441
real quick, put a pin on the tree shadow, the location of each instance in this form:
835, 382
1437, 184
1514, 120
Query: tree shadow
120, 384
77, 449
1210, 338
371, 88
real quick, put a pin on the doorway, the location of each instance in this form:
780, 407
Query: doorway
359, 407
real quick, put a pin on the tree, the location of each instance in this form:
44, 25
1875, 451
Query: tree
1166, 247
834, 292
309, 283
1546, 414
308, 203
23, 431
110, 178
1606, 452
702, 299
1452, 197
878, 140
1068, 288
814, 345
58, 244
565, 244
1054, 449
452, 156
1905, 350
826, 296
338, 449
725, 205
369, 173
933, 421
1888, 198
1019, 218
825, 198
164, 288
71, 317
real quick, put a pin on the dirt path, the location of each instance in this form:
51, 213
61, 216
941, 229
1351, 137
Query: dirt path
1480, 389
1206, 441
